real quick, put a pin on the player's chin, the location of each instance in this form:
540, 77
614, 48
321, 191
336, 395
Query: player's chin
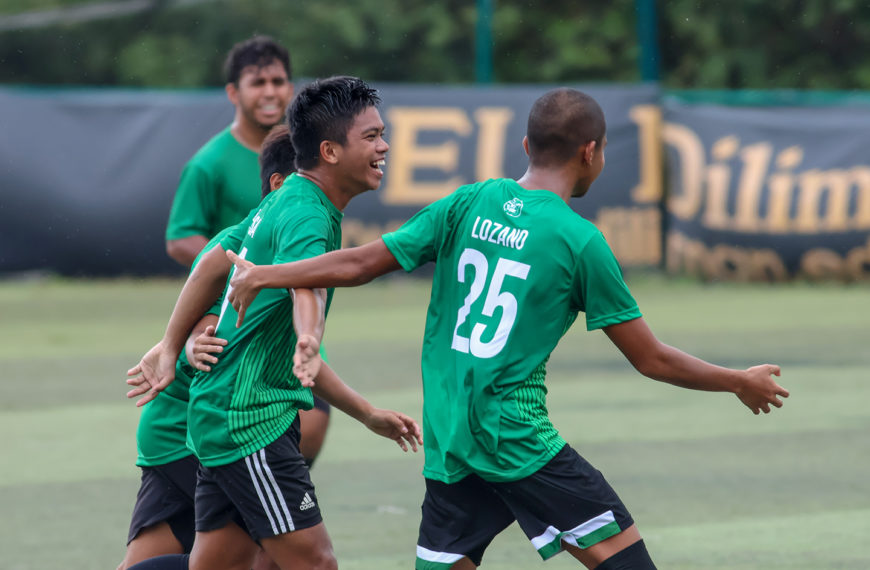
374, 179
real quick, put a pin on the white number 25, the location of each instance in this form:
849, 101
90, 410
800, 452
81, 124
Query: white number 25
494, 298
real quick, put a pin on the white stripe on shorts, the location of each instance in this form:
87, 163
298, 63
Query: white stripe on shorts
572, 535
266, 486
432, 556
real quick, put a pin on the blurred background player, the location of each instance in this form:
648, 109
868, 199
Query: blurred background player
217, 187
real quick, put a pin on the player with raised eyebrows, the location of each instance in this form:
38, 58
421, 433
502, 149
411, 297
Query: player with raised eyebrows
514, 265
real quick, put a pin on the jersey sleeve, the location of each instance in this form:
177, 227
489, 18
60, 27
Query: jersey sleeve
417, 241
193, 207
600, 290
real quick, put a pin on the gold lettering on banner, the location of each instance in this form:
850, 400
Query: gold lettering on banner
835, 187
809, 202
493, 123
692, 165
756, 163
718, 182
648, 119
406, 154
634, 234
781, 185
821, 264
723, 262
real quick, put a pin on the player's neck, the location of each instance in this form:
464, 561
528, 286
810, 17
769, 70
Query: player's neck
248, 135
328, 185
554, 181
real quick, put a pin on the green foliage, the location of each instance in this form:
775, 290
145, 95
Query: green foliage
814, 44
742, 44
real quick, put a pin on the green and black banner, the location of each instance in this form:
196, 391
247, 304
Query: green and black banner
748, 191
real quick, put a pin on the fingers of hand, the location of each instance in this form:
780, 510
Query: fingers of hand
138, 391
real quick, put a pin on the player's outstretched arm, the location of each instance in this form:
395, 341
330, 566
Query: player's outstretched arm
755, 386
341, 268
309, 316
203, 286
392, 425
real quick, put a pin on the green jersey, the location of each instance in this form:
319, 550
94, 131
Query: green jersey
162, 433
217, 189
514, 268
251, 396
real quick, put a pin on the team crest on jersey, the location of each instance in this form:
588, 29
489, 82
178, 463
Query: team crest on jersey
254, 223
514, 207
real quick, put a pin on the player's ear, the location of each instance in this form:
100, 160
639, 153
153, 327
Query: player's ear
526, 145
330, 152
589, 151
232, 93
276, 180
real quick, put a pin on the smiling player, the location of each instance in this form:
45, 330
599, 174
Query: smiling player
218, 185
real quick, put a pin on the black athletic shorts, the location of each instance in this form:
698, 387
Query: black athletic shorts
322, 405
166, 495
566, 500
267, 493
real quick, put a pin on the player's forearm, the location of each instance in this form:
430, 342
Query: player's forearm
674, 366
342, 268
658, 361
331, 388
308, 312
202, 288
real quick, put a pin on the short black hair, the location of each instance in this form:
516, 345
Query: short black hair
324, 111
560, 122
259, 51
277, 155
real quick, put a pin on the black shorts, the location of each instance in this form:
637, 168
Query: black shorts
322, 405
166, 495
566, 500
267, 493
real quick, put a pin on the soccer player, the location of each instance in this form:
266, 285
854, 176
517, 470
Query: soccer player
163, 517
277, 162
217, 189
242, 419
514, 266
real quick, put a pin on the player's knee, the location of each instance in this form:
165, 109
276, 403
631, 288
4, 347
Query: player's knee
634, 557
324, 559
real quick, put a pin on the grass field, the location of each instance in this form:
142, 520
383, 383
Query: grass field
710, 485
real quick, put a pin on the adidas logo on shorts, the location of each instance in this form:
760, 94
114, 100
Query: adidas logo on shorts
307, 503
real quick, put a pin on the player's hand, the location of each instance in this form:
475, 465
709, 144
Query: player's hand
306, 360
396, 426
243, 290
153, 374
760, 391
205, 346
